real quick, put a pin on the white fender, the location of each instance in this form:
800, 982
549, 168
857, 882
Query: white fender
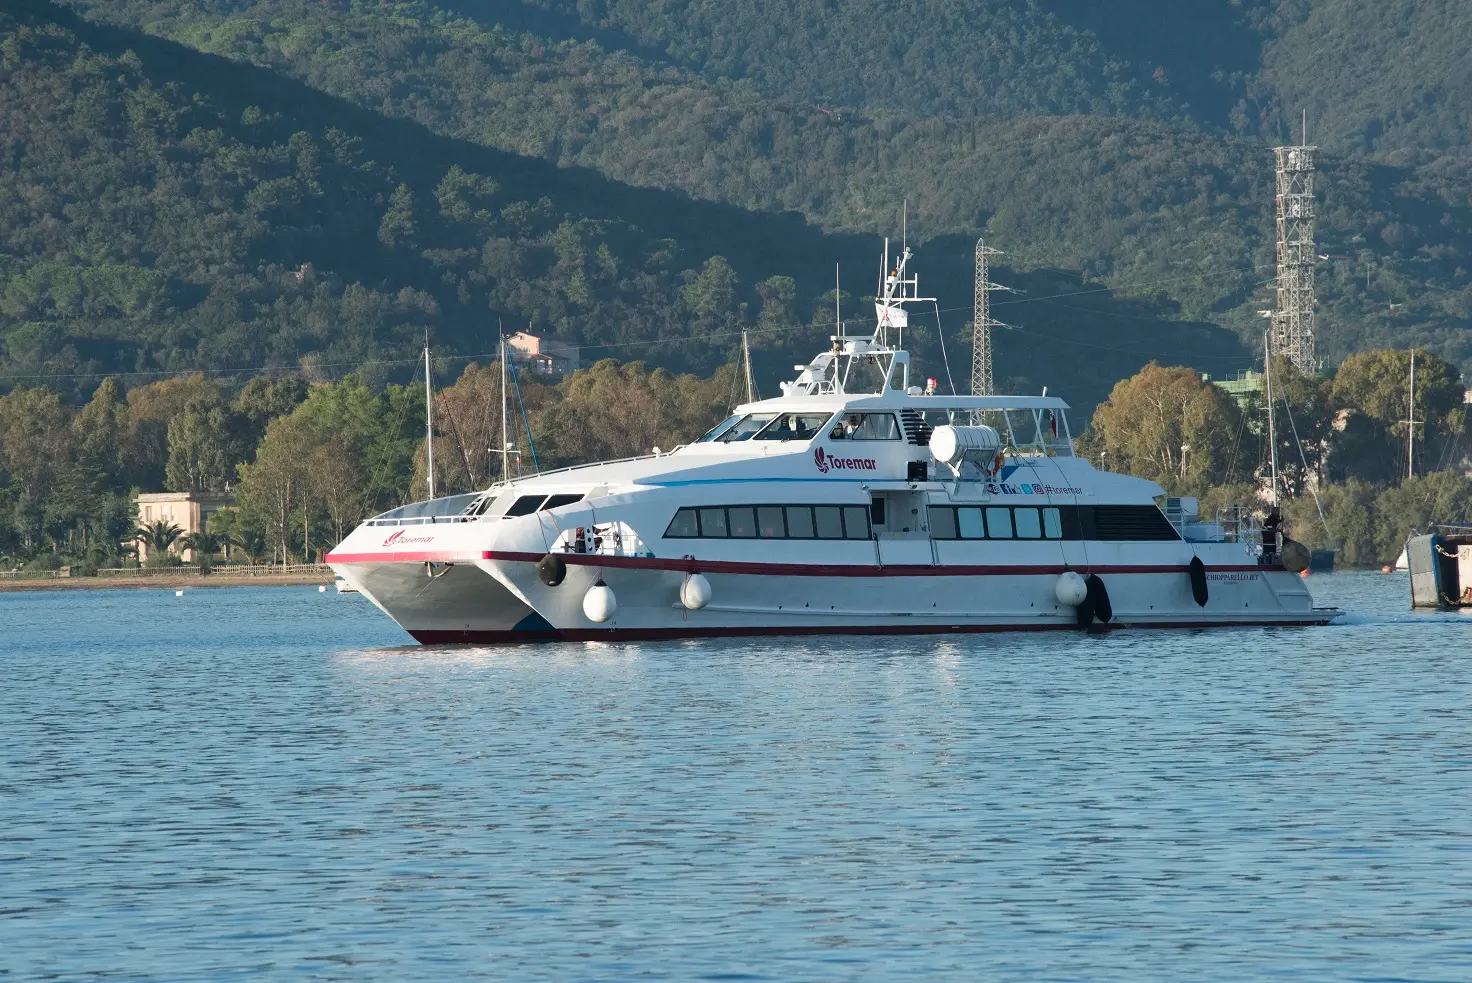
695, 592
599, 604
1071, 588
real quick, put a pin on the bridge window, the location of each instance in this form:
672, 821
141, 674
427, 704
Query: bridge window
525, 505
746, 427
866, 426
794, 426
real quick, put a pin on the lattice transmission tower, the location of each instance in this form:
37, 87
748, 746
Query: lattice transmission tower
982, 322
1293, 312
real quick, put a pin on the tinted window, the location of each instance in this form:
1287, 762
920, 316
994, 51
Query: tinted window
769, 522
866, 426
800, 521
683, 525
999, 523
713, 522
526, 505
942, 522
558, 501
742, 521
1052, 524
1125, 522
746, 426
1026, 521
856, 521
794, 426
829, 521
969, 523
718, 429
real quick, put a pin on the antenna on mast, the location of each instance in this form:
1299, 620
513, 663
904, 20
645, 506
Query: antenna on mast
505, 444
429, 414
746, 356
837, 302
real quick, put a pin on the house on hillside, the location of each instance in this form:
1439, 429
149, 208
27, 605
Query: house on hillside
190, 511
544, 356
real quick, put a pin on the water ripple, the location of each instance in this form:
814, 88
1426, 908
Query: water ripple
265, 783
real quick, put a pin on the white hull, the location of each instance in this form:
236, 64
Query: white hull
499, 599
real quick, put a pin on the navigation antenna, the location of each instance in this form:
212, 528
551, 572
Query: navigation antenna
1293, 329
982, 324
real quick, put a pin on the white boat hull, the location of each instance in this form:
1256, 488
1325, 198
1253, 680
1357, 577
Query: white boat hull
498, 598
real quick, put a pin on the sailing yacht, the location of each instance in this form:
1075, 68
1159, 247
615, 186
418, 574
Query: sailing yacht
852, 503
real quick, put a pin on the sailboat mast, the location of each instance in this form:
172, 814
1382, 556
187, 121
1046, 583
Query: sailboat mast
746, 357
1267, 373
505, 443
1411, 423
429, 414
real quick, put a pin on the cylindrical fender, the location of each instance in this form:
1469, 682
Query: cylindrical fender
551, 569
1197, 572
1098, 599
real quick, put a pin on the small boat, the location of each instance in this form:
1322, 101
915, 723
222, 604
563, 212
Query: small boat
1441, 567
343, 587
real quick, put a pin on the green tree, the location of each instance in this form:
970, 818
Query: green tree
398, 226
158, 537
202, 453
1167, 425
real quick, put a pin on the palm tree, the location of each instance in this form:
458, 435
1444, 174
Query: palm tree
204, 546
158, 536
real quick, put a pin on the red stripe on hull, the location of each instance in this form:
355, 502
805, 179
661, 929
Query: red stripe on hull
450, 637
683, 565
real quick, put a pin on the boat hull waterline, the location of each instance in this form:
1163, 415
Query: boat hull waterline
497, 598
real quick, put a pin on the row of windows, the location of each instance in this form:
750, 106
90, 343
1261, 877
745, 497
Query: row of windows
1113, 523
804, 426
1130, 523
995, 522
771, 522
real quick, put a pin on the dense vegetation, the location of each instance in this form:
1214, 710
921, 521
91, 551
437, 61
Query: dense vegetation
305, 457
1140, 160
1343, 439
307, 462
166, 211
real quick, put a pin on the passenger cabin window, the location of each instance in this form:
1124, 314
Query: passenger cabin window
771, 522
794, 426
865, 426
713, 523
1110, 523
1026, 524
741, 521
800, 521
558, 501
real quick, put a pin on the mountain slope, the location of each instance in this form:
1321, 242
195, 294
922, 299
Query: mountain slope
165, 210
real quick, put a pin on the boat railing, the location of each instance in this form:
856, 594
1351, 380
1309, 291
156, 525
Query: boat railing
602, 539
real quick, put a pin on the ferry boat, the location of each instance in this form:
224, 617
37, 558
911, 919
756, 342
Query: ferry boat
853, 503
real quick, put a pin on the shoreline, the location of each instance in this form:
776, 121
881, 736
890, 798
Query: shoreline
172, 581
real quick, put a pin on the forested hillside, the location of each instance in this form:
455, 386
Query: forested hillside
162, 210
1127, 142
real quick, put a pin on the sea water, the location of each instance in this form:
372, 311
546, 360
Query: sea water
268, 783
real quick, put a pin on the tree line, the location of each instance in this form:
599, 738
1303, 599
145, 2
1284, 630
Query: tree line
306, 462
1352, 477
